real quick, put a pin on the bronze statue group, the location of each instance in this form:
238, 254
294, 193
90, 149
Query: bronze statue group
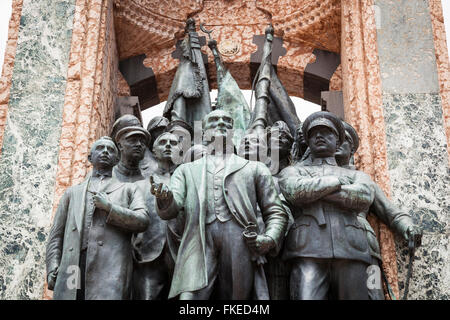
261, 207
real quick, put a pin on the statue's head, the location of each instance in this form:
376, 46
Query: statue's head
103, 153
324, 133
156, 127
279, 138
253, 147
132, 142
218, 124
166, 147
299, 146
348, 148
183, 131
190, 25
127, 120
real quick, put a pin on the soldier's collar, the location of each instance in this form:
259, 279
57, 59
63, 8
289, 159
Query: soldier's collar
128, 171
321, 161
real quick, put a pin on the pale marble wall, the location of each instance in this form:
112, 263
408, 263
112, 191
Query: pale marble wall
416, 139
31, 140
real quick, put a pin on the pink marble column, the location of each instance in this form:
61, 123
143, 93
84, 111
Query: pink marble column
364, 110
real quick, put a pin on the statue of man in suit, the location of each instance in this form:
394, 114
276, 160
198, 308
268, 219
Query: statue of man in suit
327, 245
220, 194
89, 253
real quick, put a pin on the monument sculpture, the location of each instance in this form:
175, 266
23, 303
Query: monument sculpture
327, 246
219, 194
89, 246
229, 95
161, 217
272, 100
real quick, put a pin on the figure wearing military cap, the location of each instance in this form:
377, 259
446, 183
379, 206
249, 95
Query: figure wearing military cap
398, 220
127, 120
155, 127
131, 139
326, 246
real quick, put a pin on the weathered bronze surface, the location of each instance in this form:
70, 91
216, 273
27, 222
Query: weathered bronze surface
189, 98
328, 246
220, 194
155, 249
229, 96
283, 215
89, 245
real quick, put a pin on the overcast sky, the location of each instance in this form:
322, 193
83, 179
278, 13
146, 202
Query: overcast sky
303, 107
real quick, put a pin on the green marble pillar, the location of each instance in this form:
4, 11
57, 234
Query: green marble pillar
29, 155
416, 142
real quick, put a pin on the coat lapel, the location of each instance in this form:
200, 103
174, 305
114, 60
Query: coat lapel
234, 164
113, 185
80, 200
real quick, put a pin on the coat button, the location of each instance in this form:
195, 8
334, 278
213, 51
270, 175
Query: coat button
74, 229
100, 243
226, 190
71, 249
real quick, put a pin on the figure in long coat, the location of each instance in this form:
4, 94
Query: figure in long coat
89, 252
221, 245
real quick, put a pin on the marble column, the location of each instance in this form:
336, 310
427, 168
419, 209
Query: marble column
416, 139
363, 108
30, 144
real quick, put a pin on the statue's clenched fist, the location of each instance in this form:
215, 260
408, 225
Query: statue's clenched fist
261, 244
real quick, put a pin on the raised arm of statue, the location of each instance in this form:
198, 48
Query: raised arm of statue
169, 201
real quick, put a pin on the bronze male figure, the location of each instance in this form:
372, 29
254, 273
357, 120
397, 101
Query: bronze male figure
220, 194
89, 246
326, 246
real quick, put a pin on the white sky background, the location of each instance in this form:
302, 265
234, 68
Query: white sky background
303, 107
